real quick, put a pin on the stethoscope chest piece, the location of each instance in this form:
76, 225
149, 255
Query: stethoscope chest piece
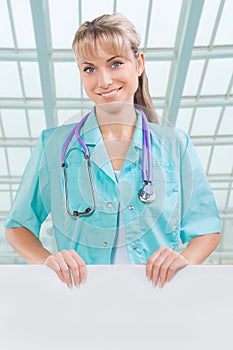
146, 194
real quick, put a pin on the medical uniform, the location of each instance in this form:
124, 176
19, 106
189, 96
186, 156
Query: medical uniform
184, 206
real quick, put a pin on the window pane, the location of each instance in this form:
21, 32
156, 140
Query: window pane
222, 160
9, 78
23, 23
158, 73
217, 77
193, 78
67, 79
14, 123
90, 11
5, 201
205, 121
226, 127
61, 15
18, 158
31, 78
203, 154
224, 34
207, 21
37, 122
138, 16
6, 39
165, 14
3, 168
184, 118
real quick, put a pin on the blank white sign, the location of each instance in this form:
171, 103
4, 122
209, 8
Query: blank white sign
117, 309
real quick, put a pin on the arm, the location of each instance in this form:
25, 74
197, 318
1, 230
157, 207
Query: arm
165, 262
27, 245
64, 263
199, 248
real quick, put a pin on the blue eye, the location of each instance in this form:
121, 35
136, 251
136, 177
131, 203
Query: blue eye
89, 70
116, 64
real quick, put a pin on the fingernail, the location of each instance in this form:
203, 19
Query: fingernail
148, 278
161, 285
83, 281
77, 285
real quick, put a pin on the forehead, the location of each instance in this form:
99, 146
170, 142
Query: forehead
100, 49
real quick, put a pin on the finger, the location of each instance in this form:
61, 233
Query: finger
82, 266
157, 266
166, 267
177, 264
52, 264
73, 265
64, 268
150, 262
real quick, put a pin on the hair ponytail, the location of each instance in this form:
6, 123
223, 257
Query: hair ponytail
142, 98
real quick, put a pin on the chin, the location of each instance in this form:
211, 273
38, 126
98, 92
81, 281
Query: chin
113, 107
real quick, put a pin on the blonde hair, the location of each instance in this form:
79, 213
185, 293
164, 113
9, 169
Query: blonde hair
115, 33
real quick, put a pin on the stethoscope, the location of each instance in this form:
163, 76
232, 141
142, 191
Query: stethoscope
146, 194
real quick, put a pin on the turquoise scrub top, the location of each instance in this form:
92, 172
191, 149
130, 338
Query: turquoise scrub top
184, 207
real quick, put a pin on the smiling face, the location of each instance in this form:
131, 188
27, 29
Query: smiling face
110, 77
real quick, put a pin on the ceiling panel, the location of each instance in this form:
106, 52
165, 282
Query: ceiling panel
205, 121
163, 27
207, 22
64, 22
217, 76
224, 33
22, 20
14, 123
67, 80
10, 81
6, 39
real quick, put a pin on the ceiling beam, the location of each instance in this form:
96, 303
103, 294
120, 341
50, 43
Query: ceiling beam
40, 16
151, 54
186, 33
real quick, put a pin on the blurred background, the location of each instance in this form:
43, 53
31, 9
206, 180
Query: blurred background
188, 45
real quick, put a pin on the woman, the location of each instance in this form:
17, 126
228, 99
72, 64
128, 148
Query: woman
123, 194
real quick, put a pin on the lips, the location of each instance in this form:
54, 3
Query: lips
109, 93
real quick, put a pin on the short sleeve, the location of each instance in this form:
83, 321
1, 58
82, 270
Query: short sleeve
31, 204
199, 214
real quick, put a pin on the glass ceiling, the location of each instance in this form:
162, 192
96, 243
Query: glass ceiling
188, 47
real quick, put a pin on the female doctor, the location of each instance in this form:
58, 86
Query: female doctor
121, 189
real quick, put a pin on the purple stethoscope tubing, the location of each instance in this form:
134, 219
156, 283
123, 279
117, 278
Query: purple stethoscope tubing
145, 194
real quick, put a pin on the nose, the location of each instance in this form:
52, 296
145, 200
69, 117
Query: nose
105, 79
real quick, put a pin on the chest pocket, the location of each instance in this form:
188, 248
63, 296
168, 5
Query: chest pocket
166, 206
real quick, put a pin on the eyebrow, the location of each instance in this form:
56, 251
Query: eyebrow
109, 60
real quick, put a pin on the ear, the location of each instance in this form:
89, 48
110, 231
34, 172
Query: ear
140, 63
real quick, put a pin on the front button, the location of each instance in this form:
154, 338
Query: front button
135, 247
109, 204
105, 244
175, 189
131, 207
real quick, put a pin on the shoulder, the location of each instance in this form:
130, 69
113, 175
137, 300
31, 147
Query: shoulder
56, 135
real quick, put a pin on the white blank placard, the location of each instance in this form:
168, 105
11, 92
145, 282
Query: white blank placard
116, 309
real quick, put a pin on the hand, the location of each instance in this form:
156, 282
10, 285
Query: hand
163, 264
68, 264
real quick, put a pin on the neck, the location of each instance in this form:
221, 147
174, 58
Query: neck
116, 120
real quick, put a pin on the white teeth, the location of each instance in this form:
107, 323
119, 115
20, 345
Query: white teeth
110, 93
